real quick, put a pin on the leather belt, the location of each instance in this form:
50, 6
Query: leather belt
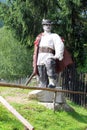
46, 50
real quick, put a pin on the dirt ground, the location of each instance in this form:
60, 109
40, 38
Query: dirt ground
15, 95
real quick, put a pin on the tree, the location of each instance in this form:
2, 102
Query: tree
70, 18
25, 17
15, 59
72, 27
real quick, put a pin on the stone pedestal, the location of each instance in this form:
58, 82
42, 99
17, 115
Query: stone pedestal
49, 99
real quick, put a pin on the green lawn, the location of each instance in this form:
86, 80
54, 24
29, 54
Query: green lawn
40, 117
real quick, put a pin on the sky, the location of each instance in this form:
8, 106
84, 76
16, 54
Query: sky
2, 0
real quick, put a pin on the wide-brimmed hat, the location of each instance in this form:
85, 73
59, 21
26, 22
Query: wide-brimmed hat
46, 21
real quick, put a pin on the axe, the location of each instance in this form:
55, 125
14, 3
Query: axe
29, 79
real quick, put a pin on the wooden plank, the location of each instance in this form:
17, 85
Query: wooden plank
38, 88
16, 114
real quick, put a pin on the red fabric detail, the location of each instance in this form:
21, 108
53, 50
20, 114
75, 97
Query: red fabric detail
67, 60
38, 38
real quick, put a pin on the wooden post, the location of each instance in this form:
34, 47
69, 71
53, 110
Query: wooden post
54, 100
25, 128
15, 113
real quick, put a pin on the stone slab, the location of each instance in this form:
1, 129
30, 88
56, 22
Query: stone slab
57, 106
47, 96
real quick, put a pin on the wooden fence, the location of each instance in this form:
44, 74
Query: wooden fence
73, 81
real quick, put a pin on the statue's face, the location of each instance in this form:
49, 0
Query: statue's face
47, 27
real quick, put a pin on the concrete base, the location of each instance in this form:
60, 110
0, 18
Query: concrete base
57, 106
50, 100
47, 96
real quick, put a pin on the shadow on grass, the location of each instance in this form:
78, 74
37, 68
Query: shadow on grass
79, 117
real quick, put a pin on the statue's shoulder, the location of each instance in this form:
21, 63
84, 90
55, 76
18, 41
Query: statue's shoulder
39, 35
37, 40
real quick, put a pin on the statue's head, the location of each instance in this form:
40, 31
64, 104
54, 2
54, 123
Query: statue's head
47, 25
46, 21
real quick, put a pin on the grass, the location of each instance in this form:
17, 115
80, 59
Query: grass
39, 116
8, 121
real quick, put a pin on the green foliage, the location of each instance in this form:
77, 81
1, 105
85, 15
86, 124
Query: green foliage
70, 18
20, 20
72, 27
15, 58
1, 24
84, 68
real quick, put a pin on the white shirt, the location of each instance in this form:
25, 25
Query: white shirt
53, 41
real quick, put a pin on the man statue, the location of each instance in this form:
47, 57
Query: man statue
48, 56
